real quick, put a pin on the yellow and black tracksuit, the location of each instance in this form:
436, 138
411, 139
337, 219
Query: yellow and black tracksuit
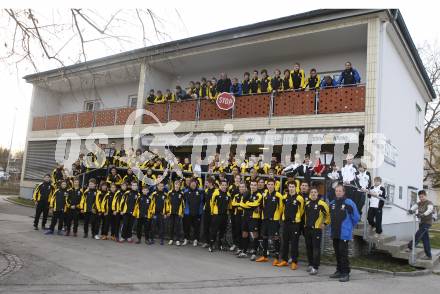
251, 204
58, 204
287, 83
186, 167
246, 87
271, 214
265, 85
101, 217
143, 214
170, 97
313, 83
107, 211
127, 208
212, 92
207, 216
119, 154
276, 83
129, 178
150, 99
114, 179
277, 185
90, 206
116, 207
73, 209
293, 210
57, 176
42, 195
220, 205
255, 86
298, 79
236, 216
317, 213
159, 210
176, 206
159, 99
203, 91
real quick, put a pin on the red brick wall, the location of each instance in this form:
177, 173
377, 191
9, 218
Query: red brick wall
210, 111
105, 118
183, 111
122, 115
160, 110
252, 106
52, 122
294, 103
68, 121
38, 123
85, 119
340, 100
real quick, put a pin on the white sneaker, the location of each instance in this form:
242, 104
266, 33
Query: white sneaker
309, 268
171, 242
313, 271
253, 257
97, 237
195, 243
185, 242
205, 245
242, 255
233, 247
177, 243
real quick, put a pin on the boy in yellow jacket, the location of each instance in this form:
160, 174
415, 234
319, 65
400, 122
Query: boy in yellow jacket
58, 205
176, 204
90, 207
142, 213
220, 205
159, 210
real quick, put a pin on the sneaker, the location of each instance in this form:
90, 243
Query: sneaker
376, 236
205, 245
103, 237
130, 240
233, 247
177, 243
252, 251
161, 242
60, 233
294, 266
113, 238
309, 268
262, 259
282, 263
242, 255
336, 275
313, 271
426, 258
36, 228
210, 249
344, 278
238, 252
97, 237
275, 262
121, 240
48, 232
253, 257
195, 243
185, 242
170, 242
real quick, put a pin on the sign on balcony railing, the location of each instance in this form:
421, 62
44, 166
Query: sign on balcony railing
225, 101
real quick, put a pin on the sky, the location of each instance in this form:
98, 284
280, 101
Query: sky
195, 18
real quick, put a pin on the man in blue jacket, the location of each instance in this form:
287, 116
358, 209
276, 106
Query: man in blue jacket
193, 197
344, 217
236, 88
349, 76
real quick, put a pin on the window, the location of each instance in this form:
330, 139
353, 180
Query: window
92, 105
390, 190
132, 101
400, 192
419, 118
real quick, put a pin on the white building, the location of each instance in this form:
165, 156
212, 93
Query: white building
390, 99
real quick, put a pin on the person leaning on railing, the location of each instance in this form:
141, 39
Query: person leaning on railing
287, 80
276, 83
236, 88
246, 83
212, 89
349, 76
313, 81
150, 97
328, 82
265, 86
298, 77
159, 98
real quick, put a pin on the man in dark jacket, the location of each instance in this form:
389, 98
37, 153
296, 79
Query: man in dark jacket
224, 83
42, 194
58, 204
193, 212
349, 76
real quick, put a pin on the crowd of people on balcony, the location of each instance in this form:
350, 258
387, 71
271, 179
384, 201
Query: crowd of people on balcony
256, 83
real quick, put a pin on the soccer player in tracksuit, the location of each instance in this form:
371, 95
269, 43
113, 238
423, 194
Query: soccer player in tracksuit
344, 216
317, 216
193, 211
175, 203
237, 215
89, 207
58, 203
143, 214
127, 209
116, 207
271, 214
251, 204
42, 194
292, 212
72, 211
207, 217
234, 191
265, 85
220, 204
101, 218
159, 211
107, 211
298, 77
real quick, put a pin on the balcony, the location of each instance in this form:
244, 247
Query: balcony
289, 103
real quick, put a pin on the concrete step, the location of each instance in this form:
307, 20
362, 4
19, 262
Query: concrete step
402, 254
428, 264
393, 246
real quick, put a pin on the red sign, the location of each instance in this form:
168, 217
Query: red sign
225, 101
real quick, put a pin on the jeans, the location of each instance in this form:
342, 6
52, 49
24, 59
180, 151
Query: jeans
423, 235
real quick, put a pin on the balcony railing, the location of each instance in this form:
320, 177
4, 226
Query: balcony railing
288, 103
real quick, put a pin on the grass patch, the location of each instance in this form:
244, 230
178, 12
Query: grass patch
22, 201
435, 239
376, 261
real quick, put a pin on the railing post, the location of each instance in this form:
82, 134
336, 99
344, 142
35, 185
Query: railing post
168, 110
198, 110
45, 122
114, 116
412, 260
316, 101
77, 120
94, 119
365, 211
271, 104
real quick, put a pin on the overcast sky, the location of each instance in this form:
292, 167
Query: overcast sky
423, 25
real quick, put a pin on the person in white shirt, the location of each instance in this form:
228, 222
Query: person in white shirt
349, 176
377, 196
363, 182
292, 166
334, 177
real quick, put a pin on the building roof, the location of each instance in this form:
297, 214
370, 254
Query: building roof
288, 22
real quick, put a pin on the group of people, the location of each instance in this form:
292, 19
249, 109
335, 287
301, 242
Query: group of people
256, 83
259, 208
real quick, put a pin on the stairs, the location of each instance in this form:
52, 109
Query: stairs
397, 248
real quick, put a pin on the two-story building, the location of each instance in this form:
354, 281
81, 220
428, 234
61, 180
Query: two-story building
97, 96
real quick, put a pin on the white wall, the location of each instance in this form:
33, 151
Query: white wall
397, 120
46, 102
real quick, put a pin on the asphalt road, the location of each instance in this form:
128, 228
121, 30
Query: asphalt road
31, 262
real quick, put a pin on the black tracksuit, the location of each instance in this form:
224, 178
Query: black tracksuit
176, 203
90, 217
143, 220
127, 218
193, 212
41, 196
59, 204
74, 199
207, 217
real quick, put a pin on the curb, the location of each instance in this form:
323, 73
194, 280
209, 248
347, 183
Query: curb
10, 200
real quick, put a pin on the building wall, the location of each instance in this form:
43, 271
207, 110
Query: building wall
398, 96
46, 102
